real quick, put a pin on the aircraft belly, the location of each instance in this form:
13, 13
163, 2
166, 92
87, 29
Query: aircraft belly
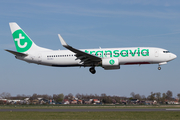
135, 60
61, 61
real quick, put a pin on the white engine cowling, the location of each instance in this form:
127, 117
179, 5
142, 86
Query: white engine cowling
110, 63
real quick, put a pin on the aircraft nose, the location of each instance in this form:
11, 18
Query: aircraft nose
173, 56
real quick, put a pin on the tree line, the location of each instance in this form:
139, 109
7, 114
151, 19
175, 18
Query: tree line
159, 97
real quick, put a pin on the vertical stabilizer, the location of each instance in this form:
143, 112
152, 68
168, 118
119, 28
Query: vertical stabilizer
22, 41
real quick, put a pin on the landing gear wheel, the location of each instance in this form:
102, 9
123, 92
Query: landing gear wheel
159, 68
92, 70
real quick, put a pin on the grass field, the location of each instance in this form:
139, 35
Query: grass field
153, 115
89, 115
86, 106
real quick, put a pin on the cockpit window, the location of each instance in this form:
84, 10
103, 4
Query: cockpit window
166, 52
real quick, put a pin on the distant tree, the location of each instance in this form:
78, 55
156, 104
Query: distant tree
158, 96
163, 98
106, 99
152, 96
133, 95
116, 98
114, 101
55, 97
83, 96
34, 96
143, 97
60, 97
87, 96
97, 96
5, 95
178, 95
137, 96
21, 97
169, 95
45, 96
1, 102
70, 96
91, 96
79, 96
103, 95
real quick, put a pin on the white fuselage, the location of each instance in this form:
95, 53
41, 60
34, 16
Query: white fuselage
125, 56
107, 58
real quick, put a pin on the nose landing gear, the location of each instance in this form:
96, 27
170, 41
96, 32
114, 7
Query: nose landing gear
92, 70
159, 68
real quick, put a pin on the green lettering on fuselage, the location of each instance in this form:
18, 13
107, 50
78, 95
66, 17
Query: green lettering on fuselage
118, 53
138, 52
86, 51
92, 52
108, 51
99, 53
146, 52
124, 53
132, 53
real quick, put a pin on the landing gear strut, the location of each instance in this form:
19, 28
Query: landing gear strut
92, 70
159, 68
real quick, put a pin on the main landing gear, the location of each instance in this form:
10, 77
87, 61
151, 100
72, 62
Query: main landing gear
159, 68
92, 70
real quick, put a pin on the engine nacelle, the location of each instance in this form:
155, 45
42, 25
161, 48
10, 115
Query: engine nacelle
110, 63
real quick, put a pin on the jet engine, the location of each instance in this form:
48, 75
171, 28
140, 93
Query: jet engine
110, 63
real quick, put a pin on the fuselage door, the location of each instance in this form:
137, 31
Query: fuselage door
39, 58
156, 53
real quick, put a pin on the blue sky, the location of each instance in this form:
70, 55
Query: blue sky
91, 24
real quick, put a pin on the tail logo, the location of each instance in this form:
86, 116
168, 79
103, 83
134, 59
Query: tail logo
22, 42
18, 41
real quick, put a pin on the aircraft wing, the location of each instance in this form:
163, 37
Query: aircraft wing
83, 56
16, 53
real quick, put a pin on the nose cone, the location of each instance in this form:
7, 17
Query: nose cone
173, 56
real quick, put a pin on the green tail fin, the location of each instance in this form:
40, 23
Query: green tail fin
22, 42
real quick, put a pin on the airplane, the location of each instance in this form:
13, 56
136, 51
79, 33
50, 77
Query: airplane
107, 58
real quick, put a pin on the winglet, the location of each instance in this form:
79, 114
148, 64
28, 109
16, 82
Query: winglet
62, 41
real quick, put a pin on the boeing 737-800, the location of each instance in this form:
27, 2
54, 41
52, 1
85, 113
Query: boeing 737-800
108, 58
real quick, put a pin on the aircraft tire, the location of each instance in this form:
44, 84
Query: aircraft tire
92, 70
159, 68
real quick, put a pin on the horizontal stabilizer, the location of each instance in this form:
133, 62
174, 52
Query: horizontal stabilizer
16, 53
